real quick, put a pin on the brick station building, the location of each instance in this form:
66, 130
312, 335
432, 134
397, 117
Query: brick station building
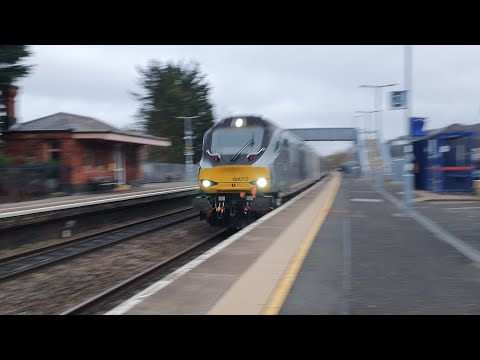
85, 149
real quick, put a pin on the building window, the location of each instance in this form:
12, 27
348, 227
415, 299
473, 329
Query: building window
88, 158
55, 156
54, 150
460, 155
54, 145
100, 158
131, 156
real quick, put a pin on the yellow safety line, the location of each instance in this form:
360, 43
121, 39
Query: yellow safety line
279, 295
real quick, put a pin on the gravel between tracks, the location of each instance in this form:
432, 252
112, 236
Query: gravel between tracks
53, 289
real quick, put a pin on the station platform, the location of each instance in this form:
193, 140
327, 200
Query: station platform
338, 248
8, 210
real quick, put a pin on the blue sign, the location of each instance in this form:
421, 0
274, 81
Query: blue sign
416, 126
399, 99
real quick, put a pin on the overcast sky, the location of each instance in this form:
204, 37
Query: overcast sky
294, 86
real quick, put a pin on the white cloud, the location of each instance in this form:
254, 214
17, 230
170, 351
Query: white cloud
295, 86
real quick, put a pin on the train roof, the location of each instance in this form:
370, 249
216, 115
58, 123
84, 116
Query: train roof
249, 120
255, 120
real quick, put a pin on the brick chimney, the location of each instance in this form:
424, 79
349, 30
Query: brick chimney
9, 93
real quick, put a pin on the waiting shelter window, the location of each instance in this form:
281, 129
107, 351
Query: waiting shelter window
100, 158
54, 150
88, 158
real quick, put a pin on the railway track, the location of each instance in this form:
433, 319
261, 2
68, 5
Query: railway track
52, 289
85, 306
100, 280
32, 260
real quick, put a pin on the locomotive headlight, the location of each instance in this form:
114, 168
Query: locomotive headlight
262, 182
206, 183
239, 122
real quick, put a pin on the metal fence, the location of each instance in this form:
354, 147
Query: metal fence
29, 182
164, 172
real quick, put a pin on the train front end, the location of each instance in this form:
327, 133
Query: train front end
234, 176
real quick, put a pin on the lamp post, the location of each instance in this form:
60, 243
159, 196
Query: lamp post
367, 112
408, 175
378, 102
354, 123
377, 173
188, 145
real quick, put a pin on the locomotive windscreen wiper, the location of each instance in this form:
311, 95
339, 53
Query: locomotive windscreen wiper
244, 148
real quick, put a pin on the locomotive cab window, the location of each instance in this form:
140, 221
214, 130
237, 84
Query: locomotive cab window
229, 141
